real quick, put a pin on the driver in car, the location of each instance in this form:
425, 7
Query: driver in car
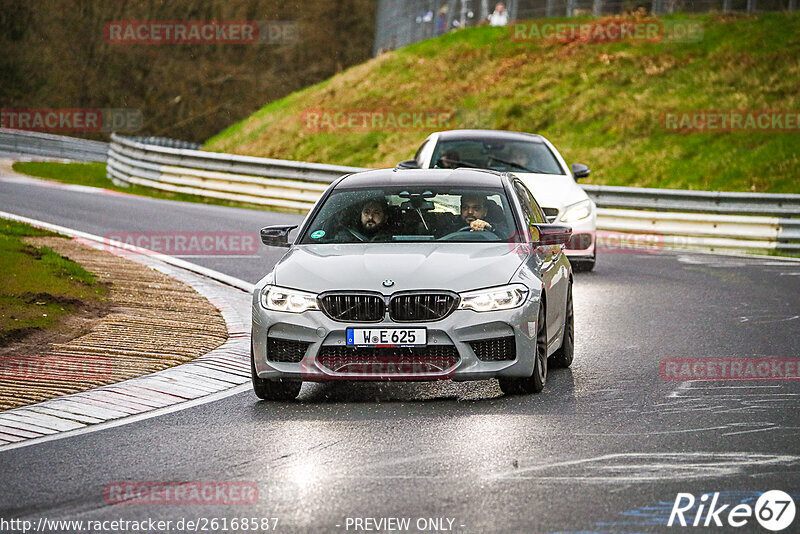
474, 216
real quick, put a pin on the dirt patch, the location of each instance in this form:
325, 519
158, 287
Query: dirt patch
147, 322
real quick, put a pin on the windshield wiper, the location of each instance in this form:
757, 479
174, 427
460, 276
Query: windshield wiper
458, 162
515, 165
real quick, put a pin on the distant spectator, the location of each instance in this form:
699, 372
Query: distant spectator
499, 17
441, 21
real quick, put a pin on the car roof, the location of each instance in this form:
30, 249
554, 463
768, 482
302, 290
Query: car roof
423, 177
500, 135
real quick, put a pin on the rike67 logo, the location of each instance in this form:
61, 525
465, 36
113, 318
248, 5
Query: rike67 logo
774, 510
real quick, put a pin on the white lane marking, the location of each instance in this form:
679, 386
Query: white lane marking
647, 467
755, 259
654, 433
40, 182
220, 256
773, 427
731, 387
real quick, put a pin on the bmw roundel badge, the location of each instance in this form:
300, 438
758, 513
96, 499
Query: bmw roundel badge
388, 283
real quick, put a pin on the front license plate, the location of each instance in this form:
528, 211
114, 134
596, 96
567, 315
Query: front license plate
387, 337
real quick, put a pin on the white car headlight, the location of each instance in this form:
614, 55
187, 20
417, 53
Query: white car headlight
577, 211
494, 298
287, 300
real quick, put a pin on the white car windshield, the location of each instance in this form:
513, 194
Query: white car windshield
496, 154
414, 213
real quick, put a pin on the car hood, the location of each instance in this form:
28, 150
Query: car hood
452, 266
552, 191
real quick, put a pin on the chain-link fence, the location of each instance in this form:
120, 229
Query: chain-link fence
402, 22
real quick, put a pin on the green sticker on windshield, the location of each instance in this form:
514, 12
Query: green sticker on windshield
317, 234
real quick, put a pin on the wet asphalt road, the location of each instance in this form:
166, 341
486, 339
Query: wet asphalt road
605, 448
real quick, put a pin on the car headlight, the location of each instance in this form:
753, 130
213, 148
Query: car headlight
287, 300
577, 211
494, 298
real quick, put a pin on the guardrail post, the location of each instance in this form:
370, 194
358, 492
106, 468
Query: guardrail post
549, 8
726, 6
570, 8
597, 8
751, 6
657, 7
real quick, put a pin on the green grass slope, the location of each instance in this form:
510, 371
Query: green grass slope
37, 286
600, 103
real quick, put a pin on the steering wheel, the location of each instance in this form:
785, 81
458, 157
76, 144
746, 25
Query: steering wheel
358, 235
483, 235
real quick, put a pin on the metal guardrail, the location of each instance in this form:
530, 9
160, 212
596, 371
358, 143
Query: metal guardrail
52, 146
694, 201
165, 141
677, 218
288, 185
702, 231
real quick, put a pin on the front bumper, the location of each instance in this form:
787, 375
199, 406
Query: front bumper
582, 244
324, 349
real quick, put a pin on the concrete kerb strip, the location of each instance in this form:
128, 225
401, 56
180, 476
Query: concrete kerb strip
220, 373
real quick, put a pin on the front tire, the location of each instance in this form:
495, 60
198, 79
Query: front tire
564, 355
534, 383
274, 390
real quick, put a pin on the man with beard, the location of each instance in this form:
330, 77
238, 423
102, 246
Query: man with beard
475, 216
372, 224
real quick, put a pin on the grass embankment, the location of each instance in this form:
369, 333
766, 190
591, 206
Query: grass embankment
38, 286
94, 175
601, 104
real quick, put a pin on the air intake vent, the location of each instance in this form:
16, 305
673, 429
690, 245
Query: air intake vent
353, 307
495, 349
422, 307
407, 361
285, 350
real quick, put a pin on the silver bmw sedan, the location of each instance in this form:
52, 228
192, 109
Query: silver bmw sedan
415, 275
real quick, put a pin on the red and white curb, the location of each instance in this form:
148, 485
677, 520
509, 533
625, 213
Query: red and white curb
222, 372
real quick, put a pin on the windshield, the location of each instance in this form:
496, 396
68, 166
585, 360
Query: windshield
498, 155
413, 214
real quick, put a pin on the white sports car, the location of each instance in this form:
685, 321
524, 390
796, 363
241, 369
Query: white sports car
537, 163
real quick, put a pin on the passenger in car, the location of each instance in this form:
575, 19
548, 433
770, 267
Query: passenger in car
372, 223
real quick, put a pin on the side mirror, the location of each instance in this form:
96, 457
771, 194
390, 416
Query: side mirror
277, 236
579, 170
550, 234
408, 164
